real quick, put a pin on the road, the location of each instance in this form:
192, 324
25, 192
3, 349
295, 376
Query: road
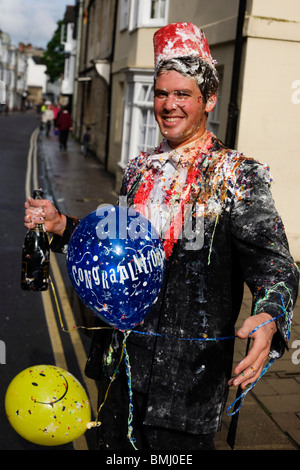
30, 327
30, 333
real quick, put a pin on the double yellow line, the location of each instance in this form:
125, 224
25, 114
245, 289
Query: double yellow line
66, 309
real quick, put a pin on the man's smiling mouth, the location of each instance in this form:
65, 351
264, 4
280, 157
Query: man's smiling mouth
172, 119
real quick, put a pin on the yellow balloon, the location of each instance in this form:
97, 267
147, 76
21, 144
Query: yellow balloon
47, 405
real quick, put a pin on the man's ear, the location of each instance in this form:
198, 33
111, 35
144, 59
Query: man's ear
211, 102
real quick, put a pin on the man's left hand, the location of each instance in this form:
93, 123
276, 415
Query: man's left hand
249, 369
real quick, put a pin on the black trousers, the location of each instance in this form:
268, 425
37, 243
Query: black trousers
63, 138
168, 439
114, 411
112, 434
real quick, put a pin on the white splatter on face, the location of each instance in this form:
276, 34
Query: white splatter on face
179, 108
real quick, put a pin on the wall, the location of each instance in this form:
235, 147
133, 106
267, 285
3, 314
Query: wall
270, 107
92, 96
135, 50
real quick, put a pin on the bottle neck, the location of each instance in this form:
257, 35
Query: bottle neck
38, 228
38, 194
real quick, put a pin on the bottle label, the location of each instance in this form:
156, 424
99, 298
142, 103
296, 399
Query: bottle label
35, 279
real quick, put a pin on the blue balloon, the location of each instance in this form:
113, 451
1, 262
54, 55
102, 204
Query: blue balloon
116, 264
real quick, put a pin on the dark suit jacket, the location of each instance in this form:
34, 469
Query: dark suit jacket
182, 377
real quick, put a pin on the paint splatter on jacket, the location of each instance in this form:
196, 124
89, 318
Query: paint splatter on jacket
184, 380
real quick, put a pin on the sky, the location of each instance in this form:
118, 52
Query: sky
31, 21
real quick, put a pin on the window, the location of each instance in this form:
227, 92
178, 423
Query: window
134, 14
2, 93
11, 75
63, 33
140, 131
147, 132
124, 14
148, 13
66, 67
158, 9
213, 121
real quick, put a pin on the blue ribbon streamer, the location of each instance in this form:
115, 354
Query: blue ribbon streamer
242, 397
205, 338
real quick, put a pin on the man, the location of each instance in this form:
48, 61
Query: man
180, 383
47, 117
64, 124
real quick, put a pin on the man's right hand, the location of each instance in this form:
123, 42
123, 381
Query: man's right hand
42, 211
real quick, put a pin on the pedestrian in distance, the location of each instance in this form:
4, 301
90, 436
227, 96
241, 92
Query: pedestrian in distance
56, 111
85, 141
64, 124
180, 387
47, 118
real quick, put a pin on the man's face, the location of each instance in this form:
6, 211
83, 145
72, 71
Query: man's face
179, 108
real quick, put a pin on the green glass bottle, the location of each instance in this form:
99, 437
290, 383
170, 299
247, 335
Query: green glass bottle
35, 256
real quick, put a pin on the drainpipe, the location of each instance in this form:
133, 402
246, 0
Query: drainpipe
110, 83
78, 26
85, 55
230, 142
233, 110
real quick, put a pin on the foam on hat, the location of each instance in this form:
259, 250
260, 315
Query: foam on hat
180, 40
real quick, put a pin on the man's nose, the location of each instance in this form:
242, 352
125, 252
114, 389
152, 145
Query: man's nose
170, 102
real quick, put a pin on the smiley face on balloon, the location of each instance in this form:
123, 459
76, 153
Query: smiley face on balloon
47, 406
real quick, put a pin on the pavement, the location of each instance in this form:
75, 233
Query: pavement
270, 416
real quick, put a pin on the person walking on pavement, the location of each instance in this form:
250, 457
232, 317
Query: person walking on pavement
180, 387
47, 117
64, 124
56, 111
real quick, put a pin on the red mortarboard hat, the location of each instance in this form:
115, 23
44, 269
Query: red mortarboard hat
180, 40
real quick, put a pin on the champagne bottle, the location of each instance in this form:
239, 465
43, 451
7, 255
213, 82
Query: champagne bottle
35, 256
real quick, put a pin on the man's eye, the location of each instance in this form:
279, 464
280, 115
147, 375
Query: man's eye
178, 95
181, 94
161, 94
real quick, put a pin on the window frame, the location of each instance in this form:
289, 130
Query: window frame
124, 14
213, 120
133, 114
140, 17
